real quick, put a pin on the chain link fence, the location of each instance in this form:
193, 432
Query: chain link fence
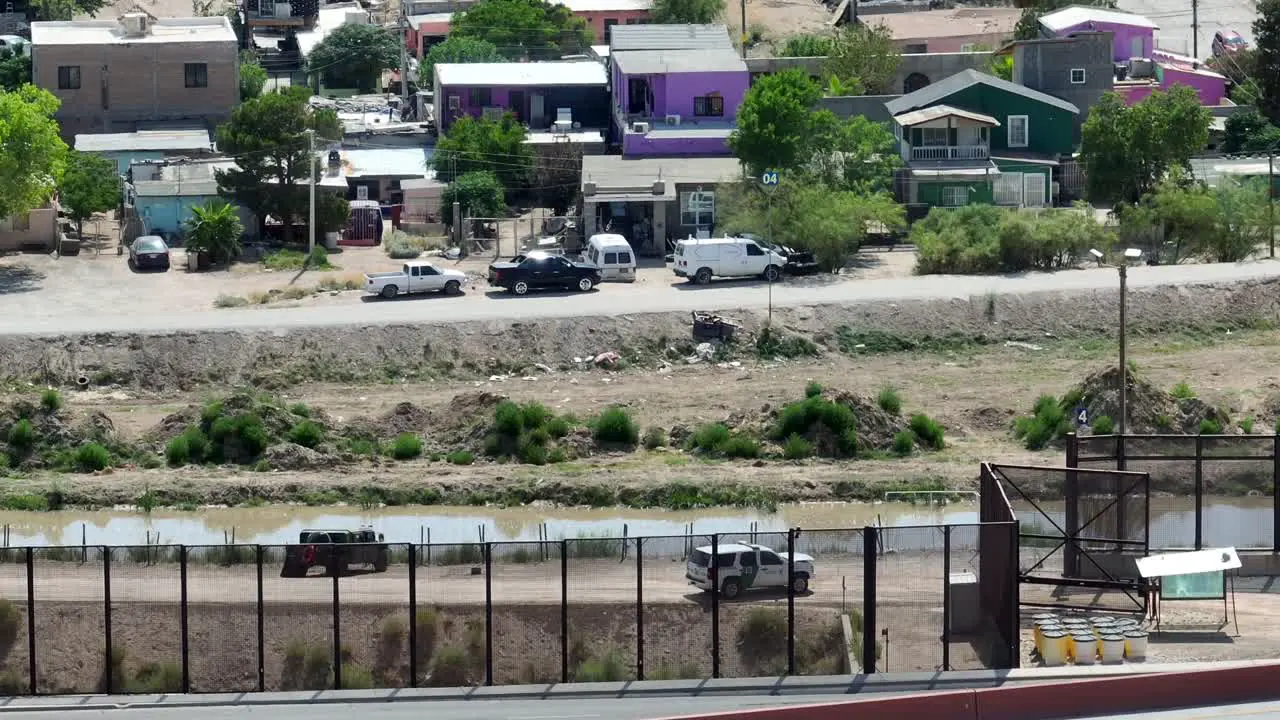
243, 618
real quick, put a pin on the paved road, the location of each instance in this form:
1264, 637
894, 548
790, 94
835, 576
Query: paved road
1253, 711
613, 300
1174, 19
623, 709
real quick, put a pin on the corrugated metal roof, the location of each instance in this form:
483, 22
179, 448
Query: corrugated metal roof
940, 111
1077, 15
659, 62
145, 140
947, 87
576, 72
669, 37
612, 173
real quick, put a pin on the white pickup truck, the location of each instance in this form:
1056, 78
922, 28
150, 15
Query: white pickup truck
415, 277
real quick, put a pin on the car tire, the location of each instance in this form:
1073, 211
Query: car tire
772, 273
520, 288
800, 584
389, 291
703, 276
730, 589
453, 287
585, 284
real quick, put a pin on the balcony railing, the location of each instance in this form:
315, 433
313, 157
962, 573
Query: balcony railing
950, 152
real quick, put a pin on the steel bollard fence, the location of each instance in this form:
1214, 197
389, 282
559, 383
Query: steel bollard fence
871, 541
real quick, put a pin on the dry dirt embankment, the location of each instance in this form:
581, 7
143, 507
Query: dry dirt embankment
365, 353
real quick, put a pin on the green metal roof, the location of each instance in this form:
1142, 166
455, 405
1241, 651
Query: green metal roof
931, 94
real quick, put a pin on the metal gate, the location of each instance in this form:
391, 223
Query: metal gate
1079, 553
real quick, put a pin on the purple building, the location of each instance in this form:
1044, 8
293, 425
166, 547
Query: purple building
676, 89
574, 94
1133, 36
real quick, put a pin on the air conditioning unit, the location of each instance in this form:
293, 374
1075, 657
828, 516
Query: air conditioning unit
134, 24
673, 119
1141, 68
588, 188
659, 187
640, 127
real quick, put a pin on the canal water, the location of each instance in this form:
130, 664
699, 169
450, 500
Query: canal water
1238, 522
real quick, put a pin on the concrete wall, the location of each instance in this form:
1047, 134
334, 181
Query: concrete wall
590, 104
658, 144
167, 215
38, 228
1046, 66
870, 106
933, 66
674, 93
596, 20
1127, 41
123, 85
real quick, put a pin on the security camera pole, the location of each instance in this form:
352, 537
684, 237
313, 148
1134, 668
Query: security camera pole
770, 182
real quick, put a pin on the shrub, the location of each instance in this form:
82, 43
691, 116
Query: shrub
1246, 426
300, 409
450, 668
1103, 425
797, 448
889, 401
356, 677
557, 456
616, 426
508, 419
427, 623
230, 301
91, 457
711, 436
812, 389
534, 415
771, 344
1209, 426
307, 434
51, 401
10, 625
928, 431
762, 637
460, 457
406, 446
849, 442
1047, 422
609, 666
740, 446
22, 435
178, 452
239, 438
654, 438
1182, 391
987, 239
558, 427
156, 678
904, 443
531, 452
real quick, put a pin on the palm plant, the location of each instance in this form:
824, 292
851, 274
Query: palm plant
215, 228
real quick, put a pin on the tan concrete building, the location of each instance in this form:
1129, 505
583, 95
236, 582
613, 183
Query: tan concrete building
133, 73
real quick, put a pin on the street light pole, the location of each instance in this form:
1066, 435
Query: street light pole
1124, 363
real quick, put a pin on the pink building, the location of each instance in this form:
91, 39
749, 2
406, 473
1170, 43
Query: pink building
949, 31
1169, 69
428, 29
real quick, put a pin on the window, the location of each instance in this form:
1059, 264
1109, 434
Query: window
748, 559
955, 196
481, 97
197, 75
768, 558
697, 208
608, 27
933, 137
709, 106
611, 258
1018, 131
724, 561
754, 250
1077, 76
68, 77
624, 258
633, 21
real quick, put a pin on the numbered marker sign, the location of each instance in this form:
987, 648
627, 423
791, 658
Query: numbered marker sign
769, 178
1082, 416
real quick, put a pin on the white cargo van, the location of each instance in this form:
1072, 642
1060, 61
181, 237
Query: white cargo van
613, 255
700, 259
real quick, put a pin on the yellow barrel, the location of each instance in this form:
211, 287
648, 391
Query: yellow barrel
1084, 649
1055, 648
1041, 627
1135, 644
1112, 650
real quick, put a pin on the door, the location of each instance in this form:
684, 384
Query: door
755, 260
537, 108
773, 570
561, 272
516, 104
535, 271
424, 278
1033, 189
1136, 48
750, 569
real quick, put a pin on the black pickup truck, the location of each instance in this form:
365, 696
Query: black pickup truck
543, 270
335, 551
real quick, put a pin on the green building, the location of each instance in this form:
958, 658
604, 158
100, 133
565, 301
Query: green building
974, 138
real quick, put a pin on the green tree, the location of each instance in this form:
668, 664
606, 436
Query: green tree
1001, 66
1127, 150
215, 229
65, 9
253, 77
805, 46
1248, 131
354, 56
332, 212
90, 184
269, 138
865, 56
697, 12
1266, 37
558, 169
1028, 27
15, 68
856, 154
495, 146
478, 193
524, 29
32, 154
456, 50
773, 121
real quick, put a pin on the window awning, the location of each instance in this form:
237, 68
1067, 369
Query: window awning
915, 117
631, 195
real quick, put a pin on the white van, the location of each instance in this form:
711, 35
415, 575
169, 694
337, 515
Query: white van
613, 255
701, 259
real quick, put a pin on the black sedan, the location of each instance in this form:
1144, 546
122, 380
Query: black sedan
149, 251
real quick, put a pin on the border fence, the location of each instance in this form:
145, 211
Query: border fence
1196, 466
221, 618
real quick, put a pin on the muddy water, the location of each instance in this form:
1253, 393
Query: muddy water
1239, 522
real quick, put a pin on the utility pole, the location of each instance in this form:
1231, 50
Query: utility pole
744, 28
1271, 201
311, 191
403, 24
1195, 29
1124, 360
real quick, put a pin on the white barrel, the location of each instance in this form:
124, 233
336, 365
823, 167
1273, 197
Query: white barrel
1054, 651
1112, 649
1135, 644
1085, 649
1101, 620
1041, 627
